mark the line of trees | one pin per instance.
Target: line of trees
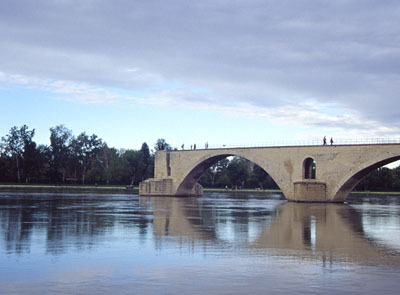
(381, 179)
(86, 159)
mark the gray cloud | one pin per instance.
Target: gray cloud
(261, 53)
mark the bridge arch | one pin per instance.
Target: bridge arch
(194, 173)
(350, 181)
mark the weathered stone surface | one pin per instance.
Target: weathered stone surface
(309, 191)
(340, 168)
(156, 187)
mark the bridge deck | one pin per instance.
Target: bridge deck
(295, 144)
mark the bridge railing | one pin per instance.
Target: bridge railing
(314, 142)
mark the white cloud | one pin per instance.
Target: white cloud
(306, 114)
(328, 65)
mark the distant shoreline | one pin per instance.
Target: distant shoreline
(122, 188)
(67, 187)
(222, 190)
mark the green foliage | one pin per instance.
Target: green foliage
(86, 151)
(60, 152)
(88, 159)
(161, 145)
(236, 173)
(381, 179)
(69, 159)
(16, 143)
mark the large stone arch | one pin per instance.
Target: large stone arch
(350, 180)
(188, 182)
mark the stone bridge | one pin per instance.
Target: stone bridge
(303, 173)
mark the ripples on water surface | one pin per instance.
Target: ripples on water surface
(53, 243)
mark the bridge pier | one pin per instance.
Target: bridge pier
(164, 187)
(309, 191)
(304, 191)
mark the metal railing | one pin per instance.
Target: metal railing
(314, 142)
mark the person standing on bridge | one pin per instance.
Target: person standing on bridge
(324, 140)
(331, 141)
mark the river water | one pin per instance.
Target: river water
(65, 243)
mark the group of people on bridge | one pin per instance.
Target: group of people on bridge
(193, 147)
(324, 140)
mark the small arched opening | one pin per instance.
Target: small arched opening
(309, 168)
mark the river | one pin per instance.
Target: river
(229, 243)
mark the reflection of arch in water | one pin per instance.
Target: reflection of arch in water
(180, 217)
(324, 230)
(318, 231)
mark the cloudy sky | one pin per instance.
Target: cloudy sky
(226, 72)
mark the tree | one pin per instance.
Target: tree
(130, 160)
(42, 163)
(145, 162)
(15, 142)
(60, 139)
(238, 171)
(86, 150)
(30, 159)
(5, 167)
(113, 165)
(162, 145)
(216, 174)
(260, 178)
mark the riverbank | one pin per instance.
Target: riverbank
(245, 190)
(123, 189)
(75, 188)
(222, 190)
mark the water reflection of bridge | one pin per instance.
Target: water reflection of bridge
(327, 232)
(269, 226)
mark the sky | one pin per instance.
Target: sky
(228, 73)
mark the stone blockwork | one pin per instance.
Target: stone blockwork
(309, 191)
(156, 187)
(337, 169)
(164, 187)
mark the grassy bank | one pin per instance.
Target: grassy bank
(123, 189)
(245, 190)
(221, 190)
(374, 193)
(75, 188)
